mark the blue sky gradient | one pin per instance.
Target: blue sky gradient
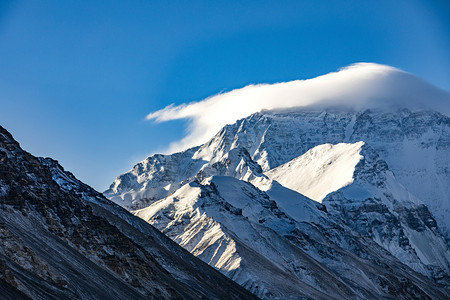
(78, 78)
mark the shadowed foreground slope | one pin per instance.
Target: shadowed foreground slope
(60, 244)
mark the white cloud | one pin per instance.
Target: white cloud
(359, 85)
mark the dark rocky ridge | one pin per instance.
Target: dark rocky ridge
(58, 244)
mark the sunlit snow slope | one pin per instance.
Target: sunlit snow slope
(320, 171)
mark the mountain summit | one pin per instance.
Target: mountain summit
(345, 197)
(357, 87)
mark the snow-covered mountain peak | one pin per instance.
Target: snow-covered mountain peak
(415, 145)
(363, 146)
(360, 86)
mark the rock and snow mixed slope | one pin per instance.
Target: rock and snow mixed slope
(371, 200)
(378, 206)
(59, 239)
(380, 171)
(246, 234)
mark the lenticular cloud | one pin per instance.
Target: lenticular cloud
(362, 85)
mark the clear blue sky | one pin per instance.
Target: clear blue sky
(77, 78)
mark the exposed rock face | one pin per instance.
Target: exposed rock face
(380, 220)
(61, 242)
